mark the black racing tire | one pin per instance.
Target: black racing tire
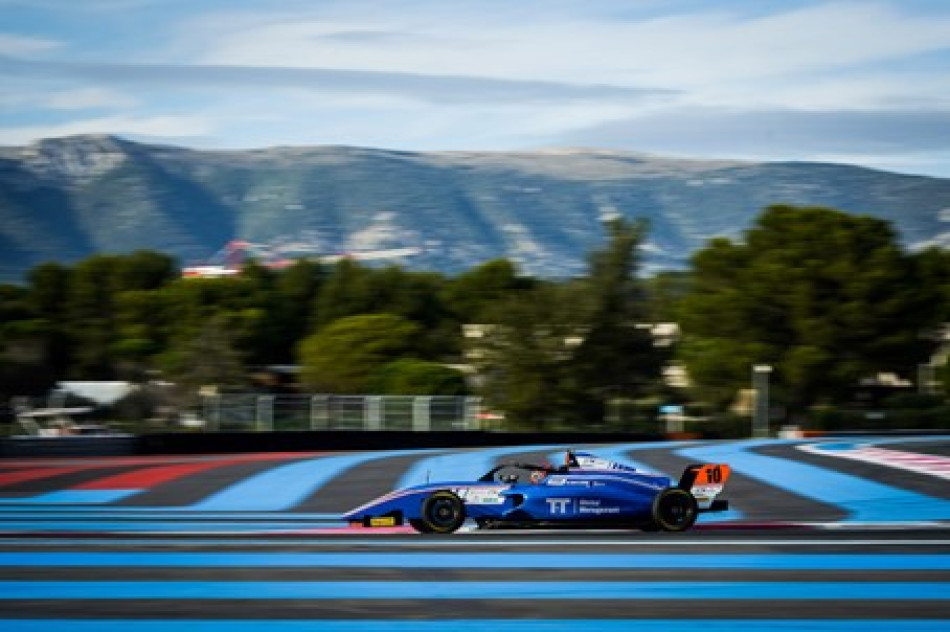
(674, 509)
(419, 525)
(443, 512)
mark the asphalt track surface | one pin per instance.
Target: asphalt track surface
(844, 535)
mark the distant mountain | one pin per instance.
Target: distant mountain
(64, 199)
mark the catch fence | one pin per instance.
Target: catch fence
(267, 413)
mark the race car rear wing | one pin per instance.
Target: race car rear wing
(705, 481)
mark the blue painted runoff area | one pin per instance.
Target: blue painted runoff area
(170, 526)
(864, 500)
(475, 625)
(836, 446)
(74, 497)
(285, 486)
(770, 561)
(276, 489)
(744, 590)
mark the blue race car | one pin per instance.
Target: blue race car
(585, 492)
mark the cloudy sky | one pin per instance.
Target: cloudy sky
(861, 81)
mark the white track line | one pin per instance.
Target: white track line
(929, 464)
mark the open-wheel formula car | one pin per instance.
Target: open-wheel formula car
(585, 492)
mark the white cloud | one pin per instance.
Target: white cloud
(771, 133)
(89, 98)
(26, 95)
(860, 90)
(790, 79)
(697, 49)
(708, 48)
(828, 56)
(440, 88)
(20, 45)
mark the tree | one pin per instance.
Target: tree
(557, 353)
(14, 305)
(664, 291)
(415, 296)
(91, 317)
(89, 303)
(25, 342)
(344, 356)
(296, 288)
(409, 376)
(825, 297)
(206, 357)
(616, 356)
(471, 294)
(347, 291)
(932, 280)
(144, 270)
(141, 331)
(523, 356)
(48, 285)
(256, 317)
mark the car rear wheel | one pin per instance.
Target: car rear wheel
(442, 512)
(674, 509)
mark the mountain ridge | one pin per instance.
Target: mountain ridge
(66, 198)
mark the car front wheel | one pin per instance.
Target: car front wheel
(443, 512)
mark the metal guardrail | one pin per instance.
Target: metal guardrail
(268, 413)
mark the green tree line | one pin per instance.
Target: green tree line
(824, 297)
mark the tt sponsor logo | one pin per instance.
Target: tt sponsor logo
(558, 506)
